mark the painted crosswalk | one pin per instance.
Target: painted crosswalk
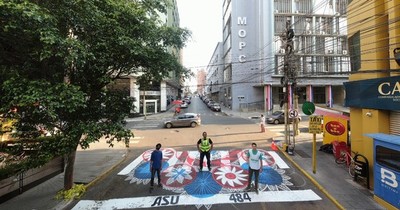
(184, 200)
(225, 183)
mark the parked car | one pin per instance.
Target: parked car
(184, 105)
(215, 107)
(278, 117)
(184, 120)
(210, 103)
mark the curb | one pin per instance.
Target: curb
(64, 204)
(319, 186)
(108, 171)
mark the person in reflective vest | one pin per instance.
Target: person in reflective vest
(254, 159)
(205, 145)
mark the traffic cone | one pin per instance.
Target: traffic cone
(273, 146)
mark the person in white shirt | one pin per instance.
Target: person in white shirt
(262, 123)
(254, 158)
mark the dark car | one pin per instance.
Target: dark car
(278, 117)
(184, 120)
(215, 107)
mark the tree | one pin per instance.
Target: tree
(57, 57)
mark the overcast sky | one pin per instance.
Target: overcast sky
(204, 19)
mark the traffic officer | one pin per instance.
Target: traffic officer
(205, 145)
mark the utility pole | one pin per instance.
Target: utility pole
(289, 75)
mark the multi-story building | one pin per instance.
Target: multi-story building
(373, 93)
(254, 52)
(201, 81)
(158, 95)
(214, 76)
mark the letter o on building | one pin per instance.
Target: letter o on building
(242, 33)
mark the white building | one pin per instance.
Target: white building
(159, 95)
(253, 53)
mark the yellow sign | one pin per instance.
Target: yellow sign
(335, 129)
(315, 124)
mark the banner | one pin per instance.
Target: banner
(380, 93)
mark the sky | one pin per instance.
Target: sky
(204, 19)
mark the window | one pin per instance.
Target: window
(388, 158)
(355, 52)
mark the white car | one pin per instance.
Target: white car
(184, 105)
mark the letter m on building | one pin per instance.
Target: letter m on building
(242, 20)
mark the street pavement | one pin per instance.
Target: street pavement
(94, 164)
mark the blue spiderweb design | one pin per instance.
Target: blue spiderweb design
(203, 186)
(143, 171)
(270, 177)
(245, 166)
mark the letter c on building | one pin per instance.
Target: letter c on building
(242, 58)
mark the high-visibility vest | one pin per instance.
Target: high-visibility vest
(205, 145)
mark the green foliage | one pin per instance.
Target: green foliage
(28, 154)
(75, 192)
(58, 56)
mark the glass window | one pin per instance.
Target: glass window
(388, 158)
(355, 51)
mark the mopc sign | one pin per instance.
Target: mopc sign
(381, 93)
(242, 33)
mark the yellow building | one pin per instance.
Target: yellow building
(373, 90)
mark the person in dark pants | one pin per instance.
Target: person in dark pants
(156, 166)
(205, 145)
(255, 165)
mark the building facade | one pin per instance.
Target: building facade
(215, 74)
(157, 96)
(254, 52)
(373, 92)
(201, 81)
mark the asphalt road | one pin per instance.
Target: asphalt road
(127, 187)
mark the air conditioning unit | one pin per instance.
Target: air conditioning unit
(276, 11)
(344, 52)
(297, 11)
(330, 51)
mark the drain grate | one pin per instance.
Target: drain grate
(302, 154)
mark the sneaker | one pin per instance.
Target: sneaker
(257, 191)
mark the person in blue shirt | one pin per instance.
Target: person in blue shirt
(156, 165)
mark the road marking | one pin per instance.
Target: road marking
(224, 183)
(184, 200)
(277, 159)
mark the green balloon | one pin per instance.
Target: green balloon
(308, 108)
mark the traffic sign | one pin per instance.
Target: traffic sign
(315, 124)
(293, 113)
(308, 108)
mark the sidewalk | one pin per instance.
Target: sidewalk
(332, 179)
(90, 165)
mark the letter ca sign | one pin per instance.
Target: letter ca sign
(386, 88)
